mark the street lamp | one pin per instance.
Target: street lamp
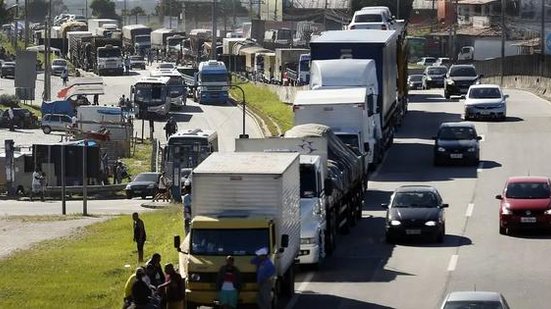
(243, 135)
(15, 6)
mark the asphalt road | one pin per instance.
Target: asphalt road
(365, 272)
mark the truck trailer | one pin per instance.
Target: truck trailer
(136, 38)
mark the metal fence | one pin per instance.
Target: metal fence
(523, 65)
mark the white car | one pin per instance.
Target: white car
(426, 61)
(166, 66)
(312, 232)
(372, 18)
(485, 101)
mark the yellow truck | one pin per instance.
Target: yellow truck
(241, 203)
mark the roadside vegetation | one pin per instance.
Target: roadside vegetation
(266, 104)
(89, 268)
(140, 159)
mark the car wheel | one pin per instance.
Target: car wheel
(144, 196)
(46, 130)
(441, 235)
(129, 195)
(502, 230)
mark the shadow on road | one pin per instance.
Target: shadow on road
(450, 241)
(190, 109)
(530, 234)
(312, 300)
(488, 164)
(423, 124)
(427, 98)
(375, 198)
(180, 117)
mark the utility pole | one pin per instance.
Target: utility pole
(233, 13)
(397, 9)
(213, 45)
(26, 24)
(86, 8)
(85, 178)
(435, 17)
(503, 37)
(47, 76)
(542, 37)
(324, 15)
(124, 14)
(16, 21)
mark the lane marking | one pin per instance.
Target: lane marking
(470, 209)
(307, 279)
(453, 262)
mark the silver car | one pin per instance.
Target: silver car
(55, 122)
(474, 299)
(485, 101)
(58, 65)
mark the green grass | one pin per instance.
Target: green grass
(141, 161)
(50, 218)
(266, 105)
(86, 270)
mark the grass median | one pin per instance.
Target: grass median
(140, 161)
(87, 269)
(266, 104)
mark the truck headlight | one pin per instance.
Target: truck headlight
(194, 277)
(225, 88)
(308, 241)
(395, 223)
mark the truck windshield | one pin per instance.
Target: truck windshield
(305, 65)
(143, 39)
(217, 77)
(150, 92)
(308, 181)
(109, 52)
(237, 242)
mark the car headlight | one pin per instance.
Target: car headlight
(194, 277)
(506, 211)
(547, 212)
(308, 241)
(450, 82)
(429, 78)
(441, 149)
(395, 222)
(128, 187)
(472, 149)
(151, 186)
(430, 223)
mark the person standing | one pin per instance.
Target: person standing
(139, 235)
(11, 118)
(157, 277)
(174, 288)
(36, 185)
(265, 270)
(170, 127)
(186, 200)
(65, 76)
(140, 290)
(228, 284)
(42, 186)
(127, 65)
(163, 189)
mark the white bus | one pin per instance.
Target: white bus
(177, 90)
(150, 97)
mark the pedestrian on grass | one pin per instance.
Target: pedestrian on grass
(228, 284)
(265, 270)
(157, 277)
(163, 189)
(174, 288)
(139, 235)
(140, 290)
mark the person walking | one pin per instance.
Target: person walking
(139, 235)
(157, 277)
(265, 270)
(163, 189)
(228, 284)
(36, 185)
(174, 288)
(11, 119)
(170, 127)
(127, 65)
(64, 76)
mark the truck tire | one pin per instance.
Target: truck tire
(329, 242)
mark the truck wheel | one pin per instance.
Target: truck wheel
(190, 305)
(46, 130)
(329, 242)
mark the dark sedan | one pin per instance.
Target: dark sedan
(415, 211)
(457, 142)
(434, 77)
(8, 69)
(415, 81)
(459, 79)
(144, 185)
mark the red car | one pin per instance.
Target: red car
(525, 204)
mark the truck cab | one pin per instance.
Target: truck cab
(142, 43)
(109, 60)
(212, 82)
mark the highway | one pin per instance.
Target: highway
(365, 272)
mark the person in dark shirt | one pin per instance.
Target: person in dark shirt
(140, 291)
(157, 276)
(228, 284)
(139, 235)
(174, 288)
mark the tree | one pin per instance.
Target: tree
(103, 9)
(172, 7)
(5, 16)
(137, 10)
(405, 6)
(37, 8)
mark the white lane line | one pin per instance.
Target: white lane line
(453, 262)
(307, 279)
(470, 209)
(480, 167)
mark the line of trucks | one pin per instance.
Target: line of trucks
(294, 194)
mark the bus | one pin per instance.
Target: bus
(150, 97)
(177, 89)
(417, 48)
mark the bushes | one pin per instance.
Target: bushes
(9, 100)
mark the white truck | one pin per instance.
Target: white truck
(255, 204)
(159, 36)
(315, 240)
(336, 80)
(95, 23)
(286, 58)
(71, 35)
(96, 118)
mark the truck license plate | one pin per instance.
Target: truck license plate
(413, 232)
(456, 155)
(528, 219)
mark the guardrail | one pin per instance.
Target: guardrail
(91, 189)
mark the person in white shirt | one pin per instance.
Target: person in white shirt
(36, 185)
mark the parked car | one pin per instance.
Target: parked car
(23, 119)
(426, 61)
(456, 142)
(372, 18)
(58, 65)
(442, 61)
(474, 299)
(137, 62)
(144, 185)
(8, 69)
(433, 76)
(459, 78)
(415, 211)
(525, 204)
(415, 81)
(486, 101)
(55, 122)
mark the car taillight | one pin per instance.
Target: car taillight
(383, 27)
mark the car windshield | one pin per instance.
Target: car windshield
(429, 60)
(136, 58)
(485, 93)
(59, 62)
(462, 71)
(308, 181)
(473, 304)
(456, 133)
(421, 199)
(147, 177)
(166, 66)
(222, 241)
(437, 71)
(368, 18)
(528, 190)
(416, 78)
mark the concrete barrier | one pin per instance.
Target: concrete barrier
(286, 94)
(536, 84)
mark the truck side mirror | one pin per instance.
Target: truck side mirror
(284, 241)
(177, 242)
(132, 89)
(328, 186)
(385, 206)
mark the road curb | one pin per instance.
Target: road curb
(158, 205)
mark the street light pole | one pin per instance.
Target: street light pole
(213, 45)
(47, 32)
(503, 34)
(542, 36)
(26, 24)
(243, 135)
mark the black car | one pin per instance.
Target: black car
(415, 81)
(23, 119)
(8, 69)
(456, 142)
(459, 78)
(434, 77)
(415, 211)
(144, 185)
